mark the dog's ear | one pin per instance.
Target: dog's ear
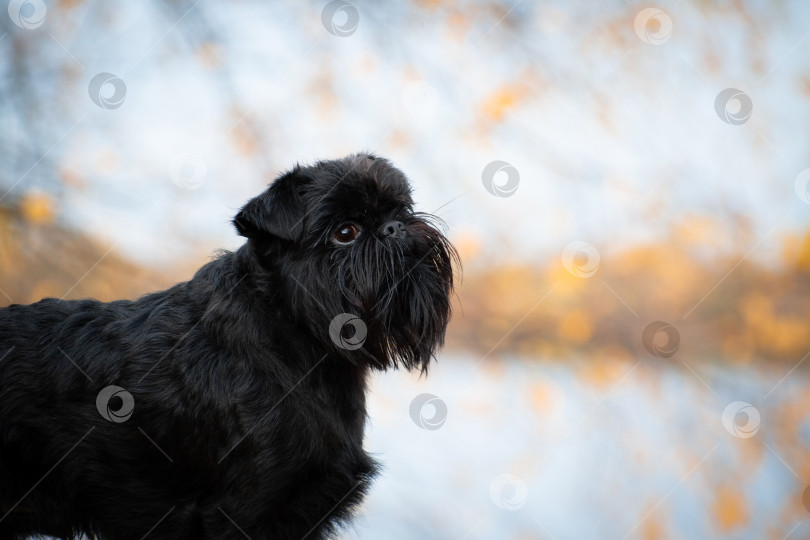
(278, 212)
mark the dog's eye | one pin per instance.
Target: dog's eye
(346, 234)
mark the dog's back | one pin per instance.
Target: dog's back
(56, 448)
(204, 438)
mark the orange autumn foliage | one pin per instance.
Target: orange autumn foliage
(37, 207)
(39, 258)
(729, 508)
(725, 307)
(501, 101)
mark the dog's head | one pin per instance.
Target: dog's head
(356, 263)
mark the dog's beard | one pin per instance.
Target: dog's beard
(400, 288)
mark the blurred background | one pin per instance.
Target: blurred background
(628, 186)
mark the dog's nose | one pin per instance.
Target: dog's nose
(394, 229)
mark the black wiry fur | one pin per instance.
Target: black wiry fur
(248, 419)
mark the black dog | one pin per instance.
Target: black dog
(231, 405)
